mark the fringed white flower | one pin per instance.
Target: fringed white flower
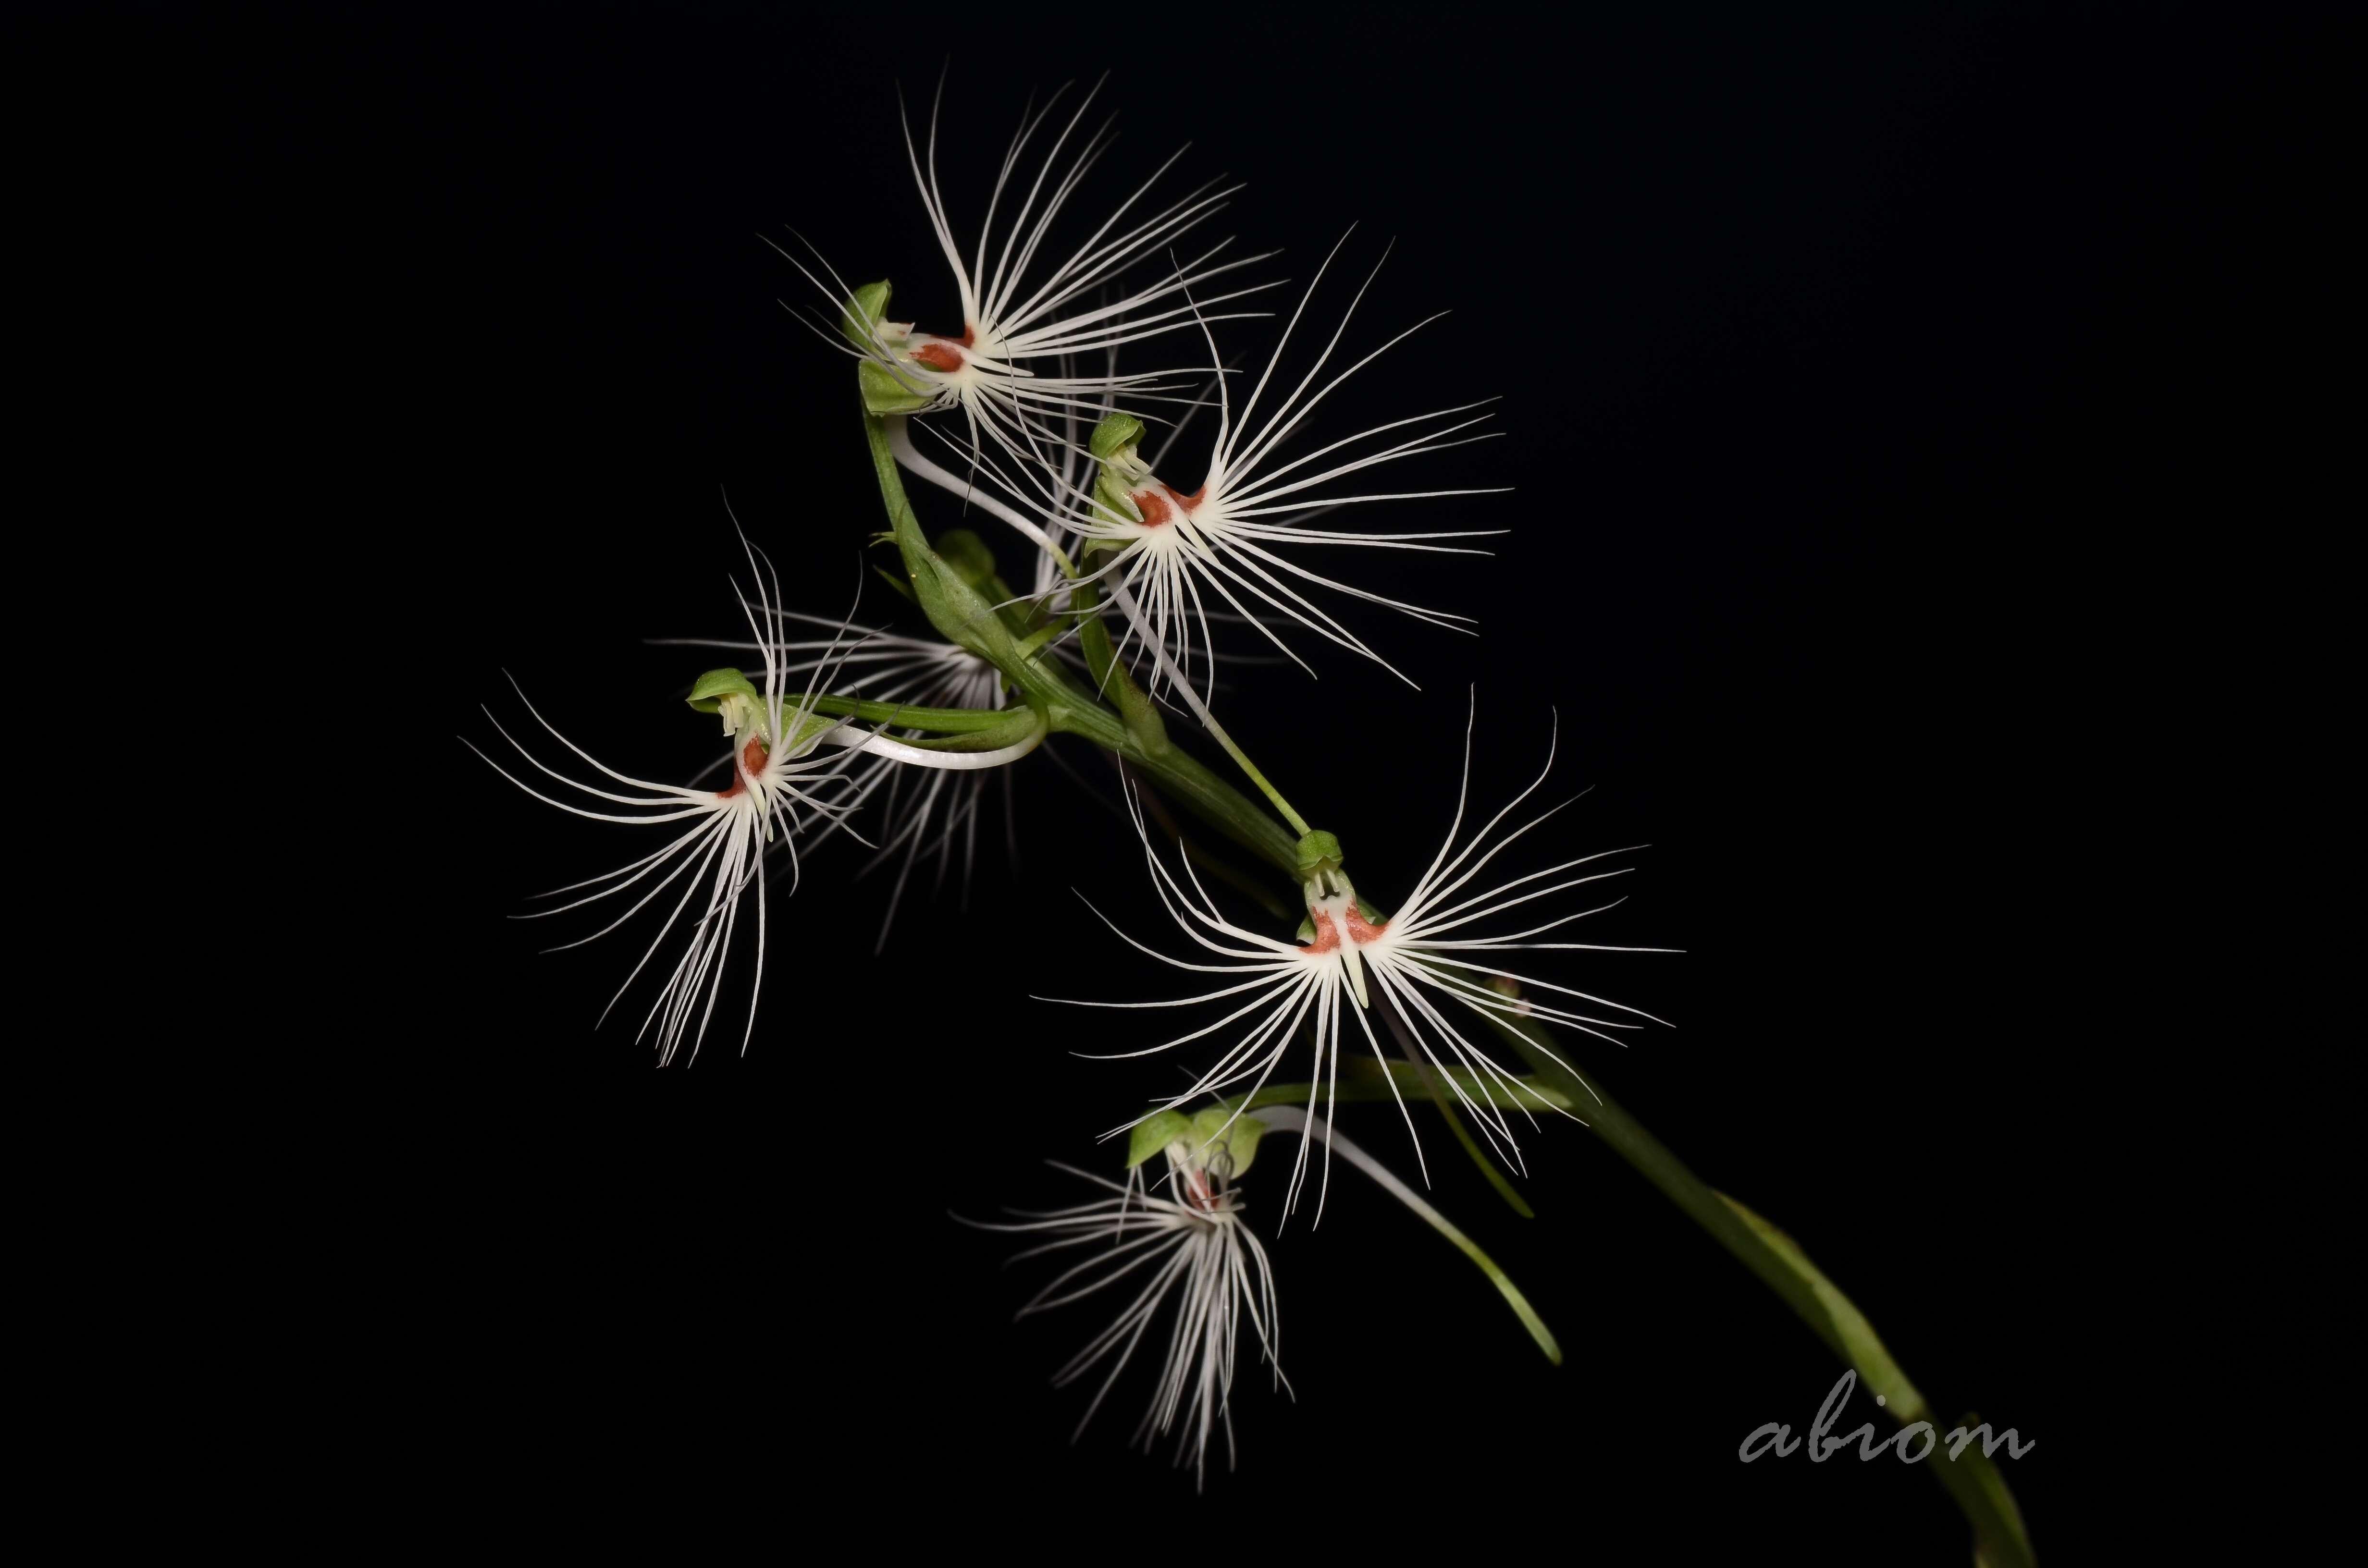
(1423, 963)
(1022, 314)
(1188, 557)
(1189, 1257)
(781, 779)
(929, 819)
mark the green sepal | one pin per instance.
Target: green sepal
(1154, 1134)
(1239, 1141)
(1319, 851)
(891, 578)
(708, 692)
(861, 318)
(1117, 501)
(883, 394)
(1114, 435)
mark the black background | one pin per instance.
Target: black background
(1861, 374)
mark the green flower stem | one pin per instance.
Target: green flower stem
(1025, 724)
(1120, 597)
(962, 614)
(896, 441)
(1214, 868)
(942, 721)
(1972, 1480)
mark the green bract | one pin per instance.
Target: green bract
(1319, 851)
(883, 394)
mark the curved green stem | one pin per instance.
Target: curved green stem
(892, 432)
(1972, 1480)
(1125, 602)
(942, 721)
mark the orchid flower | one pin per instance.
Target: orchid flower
(1424, 963)
(1225, 540)
(926, 818)
(1020, 309)
(1182, 1246)
(781, 779)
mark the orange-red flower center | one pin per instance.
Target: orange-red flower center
(1159, 505)
(752, 762)
(946, 354)
(1327, 935)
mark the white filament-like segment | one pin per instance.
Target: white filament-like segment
(699, 878)
(1193, 557)
(1418, 960)
(935, 817)
(1020, 308)
(1190, 1259)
